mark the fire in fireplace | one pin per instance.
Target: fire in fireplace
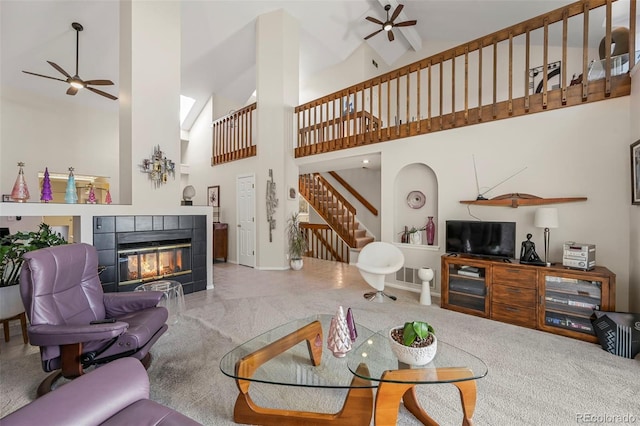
(140, 264)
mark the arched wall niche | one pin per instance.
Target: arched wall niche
(415, 177)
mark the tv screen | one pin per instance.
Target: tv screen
(485, 239)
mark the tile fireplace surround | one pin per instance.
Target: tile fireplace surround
(112, 234)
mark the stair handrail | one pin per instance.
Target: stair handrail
(354, 192)
(314, 233)
(306, 183)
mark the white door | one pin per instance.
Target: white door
(246, 220)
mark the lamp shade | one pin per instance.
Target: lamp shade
(546, 217)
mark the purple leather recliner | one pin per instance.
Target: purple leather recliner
(114, 394)
(63, 296)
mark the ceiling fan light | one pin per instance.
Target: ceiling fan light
(76, 83)
(387, 26)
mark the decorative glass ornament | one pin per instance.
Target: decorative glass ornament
(46, 195)
(339, 340)
(92, 195)
(20, 192)
(107, 198)
(431, 230)
(71, 195)
(351, 323)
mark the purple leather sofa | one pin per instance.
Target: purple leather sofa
(114, 394)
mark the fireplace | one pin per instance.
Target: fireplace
(136, 249)
(161, 259)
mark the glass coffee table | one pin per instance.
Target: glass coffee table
(294, 354)
(397, 381)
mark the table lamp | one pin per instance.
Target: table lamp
(546, 217)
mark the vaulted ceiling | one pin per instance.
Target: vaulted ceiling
(218, 38)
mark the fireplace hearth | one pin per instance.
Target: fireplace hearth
(138, 249)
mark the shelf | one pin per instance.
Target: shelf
(516, 200)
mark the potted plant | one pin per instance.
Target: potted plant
(12, 247)
(297, 242)
(415, 343)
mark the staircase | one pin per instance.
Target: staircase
(339, 214)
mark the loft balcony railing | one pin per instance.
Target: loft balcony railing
(556, 60)
(537, 65)
(234, 136)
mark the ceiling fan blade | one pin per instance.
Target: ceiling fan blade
(45, 76)
(372, 34)
(100, 82)
(59, 68)
(374, 20)
(396, 12)
(405, 23)
(391, 37)
(100, 92)
(72, 91)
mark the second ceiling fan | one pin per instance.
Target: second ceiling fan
(388, 25)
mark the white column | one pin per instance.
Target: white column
(277, 59)
(149, 98)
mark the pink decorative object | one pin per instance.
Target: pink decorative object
(431, 230)
(107, 198)
(20, 192)
(47, 194)
(92, 195)
(339, 340)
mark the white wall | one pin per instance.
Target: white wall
(57, 134)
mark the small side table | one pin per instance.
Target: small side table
(173, 298)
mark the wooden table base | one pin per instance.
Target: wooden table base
(357, 408)
(398, 387)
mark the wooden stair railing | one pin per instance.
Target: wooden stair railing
(339, 214)
(354, 192)
(324, 243)
(233, 136)
(411, 100)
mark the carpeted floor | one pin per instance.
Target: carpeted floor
(534, 378)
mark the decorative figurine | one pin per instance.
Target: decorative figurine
(107, 198)
(528, 253)
(20, 192)
(71, 195)
(351, 324)
(339, 340)
(47, 194)
(92, 195)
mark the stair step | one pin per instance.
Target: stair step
(361, 242)
(359, 233)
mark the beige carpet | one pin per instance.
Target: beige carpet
(534, 378)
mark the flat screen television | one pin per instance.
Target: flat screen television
(482, 239)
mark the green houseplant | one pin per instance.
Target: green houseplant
(414, 343)
(12, 247)
(297, 241)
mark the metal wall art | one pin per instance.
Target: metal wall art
(159, 167)
(272, 203)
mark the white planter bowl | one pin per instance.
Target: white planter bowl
(10, 302)
(296, 264)
(413, 356)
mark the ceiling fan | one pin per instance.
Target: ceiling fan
(75, 82)
(388, 25)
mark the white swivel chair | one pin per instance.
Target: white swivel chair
(376, 260)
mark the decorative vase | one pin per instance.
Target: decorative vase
(431, 230)
(20, 192)
(339, 340)
(415, 237)
(296, 264)
(413, 356)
